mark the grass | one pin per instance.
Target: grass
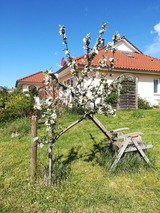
(82, 179)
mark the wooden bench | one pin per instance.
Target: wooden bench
(129, 142)
(123, 142)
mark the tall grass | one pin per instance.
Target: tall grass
(82, 180)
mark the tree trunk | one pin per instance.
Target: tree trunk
(33, 147)
(50, 163)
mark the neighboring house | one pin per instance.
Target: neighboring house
(34, 81)
(142, 72)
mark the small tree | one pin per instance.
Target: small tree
(85, 94)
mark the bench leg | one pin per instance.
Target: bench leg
(118, 157)
(141, 152)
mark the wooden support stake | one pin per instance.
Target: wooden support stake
(33, 147)
(100, 126)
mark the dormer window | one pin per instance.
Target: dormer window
(129, 55)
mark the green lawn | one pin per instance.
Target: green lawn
(82, 179)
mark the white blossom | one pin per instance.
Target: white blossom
(41, 145)
(116, 37)
(38, 104)
(47, 123)
(66, 52)
(35, 139)
(52, 122)
(49, 101)
(54, 115)
(50, 72)
(27, 95)
(111, 59)
(48, 128)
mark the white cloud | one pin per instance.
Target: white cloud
(157, 29)
(154, 48)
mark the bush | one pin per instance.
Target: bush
(8, 114)
(112, 98)
(18, 105)
(143, 104)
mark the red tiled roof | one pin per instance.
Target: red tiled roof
(126, 60)
(37, 77)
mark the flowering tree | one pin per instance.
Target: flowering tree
(85, 93)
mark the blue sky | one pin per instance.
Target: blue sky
(30, 41)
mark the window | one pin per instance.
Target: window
(33, 90)
(69, 82)
(155, 85)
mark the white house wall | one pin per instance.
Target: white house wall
(144, 86)
(25, 88)
(146, 91)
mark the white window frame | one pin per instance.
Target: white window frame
(155, 86)
(69, 81)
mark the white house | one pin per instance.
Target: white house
(29, 82)
(129, 61)
(34, 80)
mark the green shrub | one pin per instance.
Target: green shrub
(18, 105)
(112, 98)
(143, 104)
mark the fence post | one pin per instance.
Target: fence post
(33, 147)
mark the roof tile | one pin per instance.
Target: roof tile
(133, 61)
(37, 77)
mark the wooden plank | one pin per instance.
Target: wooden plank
(131, 134)
(120, 129)
(132, 147)
(143, 146)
